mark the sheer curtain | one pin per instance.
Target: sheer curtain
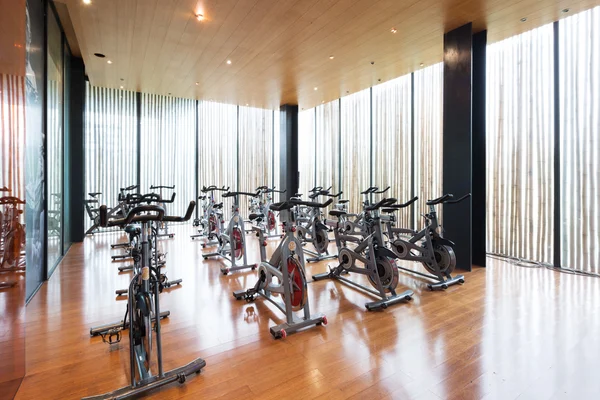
(217, 147)
(356, 144)
(111, 145)
(520, 145)
(306, 151)
(392, 158)
(276, 155)
(12, 134)
(428, 138)
(167, 154)
(579, 46)
(255, 156)
(327, 145)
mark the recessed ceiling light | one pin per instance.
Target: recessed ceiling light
(379, 80)
(122, 79)
(121, 87)
(109, 62)
(229, 62)
(197, 83)
(200, 17)
(87, 1)
(316, 88)
(99, 55)
(169, 93)
(393, 30)
(246, 104)
(523, 19)
(565, 10)
(323, 102)
(421, 64)
(331, 57)
(372, 62)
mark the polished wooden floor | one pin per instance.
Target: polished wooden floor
(508, 333)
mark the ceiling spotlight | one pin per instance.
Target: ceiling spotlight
(197, 83)
(99, 55)
(246, 104)
(316, 88)
(523, 19)
(229, 62)
(87, 1)
(420, 65)
(372, 62)
(109, 62)
(565, 10)
(169, 93)
(121, 87)
(393, 30)
(122, 79)
(323, 102)
(200, 17)
(331, 57)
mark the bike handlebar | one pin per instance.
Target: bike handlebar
(458, 200)
(408, 203)
(212, 188)
(129, 188)
(4, 189)
(149, 197)
(231, 194)
(446, 199)
(286, 205)
(382, 203)
(11, 200)
(132, 216)
(186, 217)
(161, 187)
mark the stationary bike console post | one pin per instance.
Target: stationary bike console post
(164, 226)
(284, 275)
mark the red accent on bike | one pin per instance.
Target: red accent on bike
(272, 223)
(238, 249)
(298, 285)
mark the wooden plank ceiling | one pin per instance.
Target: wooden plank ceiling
(280, 50)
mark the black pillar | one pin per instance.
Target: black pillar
(288, 178)
(478, 199)
(457, 142)
(76, 160)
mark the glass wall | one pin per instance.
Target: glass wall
(306, 151)
(327, 144)
(54, 143)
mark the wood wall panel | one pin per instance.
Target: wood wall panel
(280, 49)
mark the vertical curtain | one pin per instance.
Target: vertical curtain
(579, 46)
(306, 151)
(217, 147)
(12, 134)
(356, 145)
(255, 152)
(392, 158)
(167, 156)
(276, 155)
(428, 138)
(327, 145)
(111, 145)
(520, 145)
(54, 149)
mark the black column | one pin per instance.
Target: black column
(478, 199)
(76, 160)
(288, 178)
(457, 146)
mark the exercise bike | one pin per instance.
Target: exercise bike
(260, 213)
(232, 242)
(12, 237)
(315, 229)
(142, 309)
(93, 212)
(284, 275)
(378, 261)
(163, 226)
(427, 246)
(211, 221)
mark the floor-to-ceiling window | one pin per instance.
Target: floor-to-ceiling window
(520, 146)
(306, 151)
(54, 142)
(327, 143)
(579, 88)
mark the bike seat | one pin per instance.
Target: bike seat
(343, 201)
(133, 229)
(202, 197)
(220, 205)
(337, 213)
(256, 216)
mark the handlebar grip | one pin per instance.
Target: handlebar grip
(162, 187)
(381, 191)
(458, 200)
(188, 214)
(169, 201)
(369, 190)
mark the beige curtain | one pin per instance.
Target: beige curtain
(276, 154)
(306, 151)
(256, 151)
(579, 46)
(167, 148)
(12, 134)
(327, 145)
(217, 147)
(356, 144)
(428, 138)
(392, 158)
(520, 146)
(111, 145)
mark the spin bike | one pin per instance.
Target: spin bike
(93, 212)
(287, 267)
(211, 222)
(427, 246)
(142, 309)
(315, 229)
(378, 261)
(260, 213)
(232, 242)
(163, 226)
